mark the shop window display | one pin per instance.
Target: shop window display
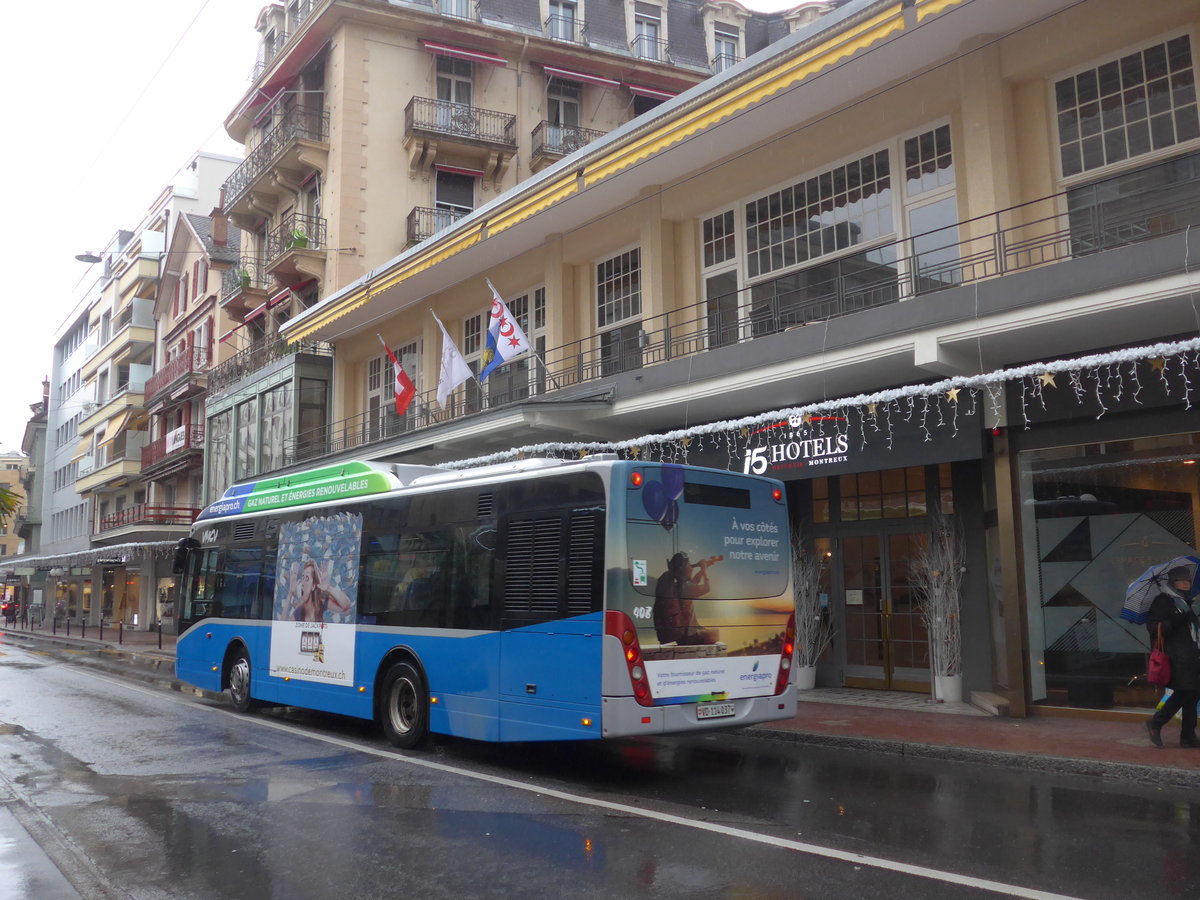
(1094, 517)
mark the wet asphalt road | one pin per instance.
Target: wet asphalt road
(130, 790)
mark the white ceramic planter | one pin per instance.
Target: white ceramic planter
(948, 688)
(806, 678)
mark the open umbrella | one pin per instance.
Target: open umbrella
(1142, 591)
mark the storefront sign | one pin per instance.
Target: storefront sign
(889, 438)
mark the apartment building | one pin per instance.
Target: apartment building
(915, 259)
(371, 126)
(107, 525)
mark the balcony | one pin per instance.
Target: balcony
(1087, 220)
(244, 286)
(643, 46)
(564, 28)
(298, 142)
(723, 61)
(296, 247)
(256, 357)
(176, 451)
(140, 277)
(179, 374)
(552, 142)
(459, 9)
(484, 135)
(114, 462)
(143, 515)
(424, 222)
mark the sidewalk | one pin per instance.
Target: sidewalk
(872, 721)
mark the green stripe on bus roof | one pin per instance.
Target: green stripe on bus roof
(317, 485)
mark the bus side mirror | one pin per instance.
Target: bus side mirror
(185, 546)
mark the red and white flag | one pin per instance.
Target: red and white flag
(405, 389)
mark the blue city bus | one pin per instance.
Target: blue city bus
(541, 599)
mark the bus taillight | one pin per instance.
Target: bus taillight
(620, 626)
(785, 658)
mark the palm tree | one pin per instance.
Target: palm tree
(10, 502)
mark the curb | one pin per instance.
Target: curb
(1152, 776)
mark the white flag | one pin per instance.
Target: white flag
(454, 370)
(505, 339)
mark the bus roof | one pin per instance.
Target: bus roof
(357, 478)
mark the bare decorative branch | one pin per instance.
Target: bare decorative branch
(936, 574)
(814, 631)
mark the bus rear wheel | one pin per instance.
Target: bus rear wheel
(404, 707)
(239, 682)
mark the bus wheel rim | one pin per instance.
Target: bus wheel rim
(239, 679)
(404, 706)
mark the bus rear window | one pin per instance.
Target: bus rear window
(716, 495)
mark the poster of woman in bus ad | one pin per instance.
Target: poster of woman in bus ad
(708, 585)
(316, 589)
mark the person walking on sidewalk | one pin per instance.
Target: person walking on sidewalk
(1181, 640)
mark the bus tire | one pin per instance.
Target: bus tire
(239, 682)
(404, 706)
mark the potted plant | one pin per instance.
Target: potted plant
(814, 630)
(243, 277)
(937, 574)
(299, 239)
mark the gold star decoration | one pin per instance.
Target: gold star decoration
(872, 407)
(686, 441)
(745, 432)
(635, 451)
(1157, 363)
(952, 395)
(1047, 379)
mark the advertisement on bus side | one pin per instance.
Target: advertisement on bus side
(316, 590)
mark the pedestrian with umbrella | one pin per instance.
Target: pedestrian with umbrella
(1171, 616)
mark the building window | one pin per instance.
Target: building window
(619, 288)
(454, 198)
(647, 32)
(1137, 104)
(720, 240)
(725, 46)
(276, 426)
(220, 453)
(562, 23)
(928, 162)
(382, 420)
(848, 205)
(932, 210)
(618, 301)
(247, 438)
(454, 80)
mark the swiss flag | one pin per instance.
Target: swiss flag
(405, 389)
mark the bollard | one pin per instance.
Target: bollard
(68, 626)
(82, 629)
(102, 629)
(160, 635)
(54, 625)
(120, 632)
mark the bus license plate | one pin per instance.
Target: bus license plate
(714, 710)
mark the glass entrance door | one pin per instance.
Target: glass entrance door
(887, 645)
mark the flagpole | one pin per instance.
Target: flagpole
(532, 352)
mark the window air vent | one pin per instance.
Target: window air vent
(582, 591)
(531, 582)
(244, 531)
(486, 507)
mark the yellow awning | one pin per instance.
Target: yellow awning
(115, 426)
(84, 447)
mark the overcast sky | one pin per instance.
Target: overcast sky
(106, 102)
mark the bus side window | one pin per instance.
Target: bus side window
(471, 592)
(206, 602)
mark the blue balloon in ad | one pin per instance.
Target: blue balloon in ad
(672, 477)
(654, 499)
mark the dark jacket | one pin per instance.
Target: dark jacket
(1177, 641)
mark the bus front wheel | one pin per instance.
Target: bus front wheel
(239, 682)
(404, 710)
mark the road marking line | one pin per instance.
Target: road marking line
(956, 878)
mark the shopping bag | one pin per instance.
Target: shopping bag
(1158, 670)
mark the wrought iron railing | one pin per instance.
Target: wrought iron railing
(460, 120)
(142, 514)
(723, 61)
(295, 231)
(186, 363)
(646, 47)
(424, 222)
(551, 138)
(189, 437)
(459, 9)
(1052, 229)
(255, 357)
(295, 124)
(248, 274)
(564, 28)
